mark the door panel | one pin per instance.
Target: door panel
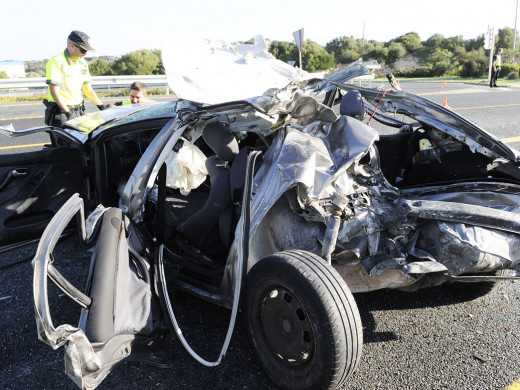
(33, 186)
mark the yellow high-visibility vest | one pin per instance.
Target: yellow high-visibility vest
(69, 76)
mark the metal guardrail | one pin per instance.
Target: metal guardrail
(98, 82)
(107, 82)
(365, 80)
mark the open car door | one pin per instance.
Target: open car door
(35, 184)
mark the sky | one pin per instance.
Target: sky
(32, 30)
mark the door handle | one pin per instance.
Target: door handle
(13, 174)
(19, 172)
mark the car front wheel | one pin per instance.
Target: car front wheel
(302, 321)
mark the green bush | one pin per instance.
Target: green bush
(100, 67)
(138, 62)
(315, 57)
(442, 63)
(3, 75)
(396, 50)
(344, 49)
(475, 63)
(505, 69)
(284, 51)
(420, 71)
(513, 75)
(411, 41)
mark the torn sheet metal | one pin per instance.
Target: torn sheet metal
(132, 307)
(465, 248)
(315, 155)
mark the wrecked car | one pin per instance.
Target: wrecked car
(281, 205)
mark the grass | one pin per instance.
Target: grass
(122, 92)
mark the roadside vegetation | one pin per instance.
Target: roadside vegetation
(407, 56)
(120, 92)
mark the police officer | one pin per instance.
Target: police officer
(137, 95)
(495, 68)
(67, 75)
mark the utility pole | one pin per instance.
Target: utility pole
(514, 35)
(489, 44)
(363, 41)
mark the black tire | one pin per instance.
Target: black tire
(302, 321)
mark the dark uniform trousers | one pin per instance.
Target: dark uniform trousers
(55, 117)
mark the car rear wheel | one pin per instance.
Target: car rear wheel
(302, 321)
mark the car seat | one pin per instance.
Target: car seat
(202, 228)
(352, 105)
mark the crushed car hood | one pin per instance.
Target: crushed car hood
(214, 72)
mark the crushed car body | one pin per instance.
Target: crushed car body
(285, 204)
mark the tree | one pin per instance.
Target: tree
(434, 42)
(137, 62)
(100, 67)
(35, 68)
(411, 41)
(159, 68)
(475, 43)
(3, 75)
(396, 50)
(452, 43)
(475, 63)
(315, 57)
(344, 49)
(284, 51)
(505, 38)
(442, 62)
(369, 47)
(379, 54)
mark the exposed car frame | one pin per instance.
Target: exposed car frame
(330, 209)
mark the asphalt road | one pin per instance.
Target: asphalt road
(435, 338)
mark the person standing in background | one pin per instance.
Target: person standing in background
(495, 68)
(67, 76)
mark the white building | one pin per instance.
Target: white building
(13, 69)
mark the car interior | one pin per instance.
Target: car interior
(412, 155)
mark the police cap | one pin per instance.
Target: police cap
(81, 39)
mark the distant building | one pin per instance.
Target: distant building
(13, 68)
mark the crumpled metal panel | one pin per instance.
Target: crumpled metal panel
(132, 307)
(465, 248)
(316, 155)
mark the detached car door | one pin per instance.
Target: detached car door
(34, 185)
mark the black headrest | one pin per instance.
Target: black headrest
(352, 105)
(221, 140)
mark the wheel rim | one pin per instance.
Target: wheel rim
(286, 327)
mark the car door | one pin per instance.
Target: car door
(34, 185)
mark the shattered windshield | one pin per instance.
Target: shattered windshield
(157, 110)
